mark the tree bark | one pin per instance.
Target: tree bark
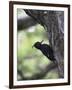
(53, 22)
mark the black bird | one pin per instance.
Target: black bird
(45, 49)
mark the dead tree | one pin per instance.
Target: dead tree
(53, 22)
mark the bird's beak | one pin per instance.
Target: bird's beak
(42, 41)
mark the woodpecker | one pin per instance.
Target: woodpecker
(45, 49)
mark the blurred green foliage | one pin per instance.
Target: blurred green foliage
(31, 60)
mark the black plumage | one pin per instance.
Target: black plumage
(45, 49)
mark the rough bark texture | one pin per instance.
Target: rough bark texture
(53, 22)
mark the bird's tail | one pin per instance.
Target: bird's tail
(55, 62)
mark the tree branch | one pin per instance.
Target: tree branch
(24, 23)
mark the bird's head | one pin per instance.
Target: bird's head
(37, 45)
